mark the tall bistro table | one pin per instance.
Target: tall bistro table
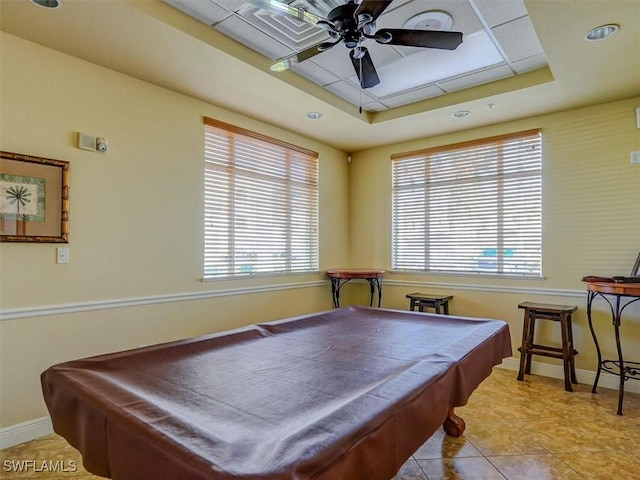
(341, 276)
(618, 296)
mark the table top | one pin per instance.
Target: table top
(320, 396)
(355, 273)
(600, 285)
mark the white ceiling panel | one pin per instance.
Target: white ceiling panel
(497, 12)
(315, 73)
(381, 54)
(374, 107)
(477, 78)
(431, 65)
(350, 92)
(528, 64)
(412, 96)
(518, 39)
(231, 5)
(336, 61)
(253, 38)
(204, 10)
(464, 17)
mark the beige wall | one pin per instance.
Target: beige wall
(136, 222)
(591, 223)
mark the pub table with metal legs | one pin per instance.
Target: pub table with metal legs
(340, 277)
(618, 296)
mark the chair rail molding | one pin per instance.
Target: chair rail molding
(27, 312)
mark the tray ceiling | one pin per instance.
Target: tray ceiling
(155, 42)
(499, 42)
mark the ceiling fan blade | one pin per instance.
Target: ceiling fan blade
(419, 38)
(298, 13)
(289, 61)
(364, 68)
(369, 10)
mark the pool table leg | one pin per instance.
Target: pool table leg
(453, 424)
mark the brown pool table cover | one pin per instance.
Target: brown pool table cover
(345, 394)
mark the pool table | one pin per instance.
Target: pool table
(343, 394)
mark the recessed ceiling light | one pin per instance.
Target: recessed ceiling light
(47, 3)
(314, 115)
(462, 113)
(601, 32)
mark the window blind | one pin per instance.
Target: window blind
(260, 204)
(474, 207)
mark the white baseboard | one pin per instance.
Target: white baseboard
(586, 377)
(25, 431)
(32, 429)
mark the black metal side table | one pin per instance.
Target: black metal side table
(340, 277)
(618, 296)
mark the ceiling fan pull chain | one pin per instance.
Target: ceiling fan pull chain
(360, 78)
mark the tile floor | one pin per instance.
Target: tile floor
(530, 430)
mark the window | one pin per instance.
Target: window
(260, 204)
(474, 207)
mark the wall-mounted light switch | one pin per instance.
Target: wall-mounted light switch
(63, 255)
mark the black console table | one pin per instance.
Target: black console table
(618, 296)
(340, 277)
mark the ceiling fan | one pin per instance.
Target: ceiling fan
(351, 24)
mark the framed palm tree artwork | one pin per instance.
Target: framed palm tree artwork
(34, 199)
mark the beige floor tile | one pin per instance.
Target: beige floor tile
(10, 473)
(441, 445)
(65, 464)
(25, 460)
(603, 466)
(35, 450)
(562, 437)
(410, 471)
(501, 438)
(472, 468)
(534, 467)
(46, 458)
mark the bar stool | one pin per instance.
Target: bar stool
(422, 300)
(557, 313)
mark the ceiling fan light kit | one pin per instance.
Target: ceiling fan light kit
(431, 20)
(353, 23)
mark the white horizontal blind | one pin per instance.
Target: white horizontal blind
(470, 208)
(260, 204)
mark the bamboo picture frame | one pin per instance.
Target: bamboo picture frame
(34, 199)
